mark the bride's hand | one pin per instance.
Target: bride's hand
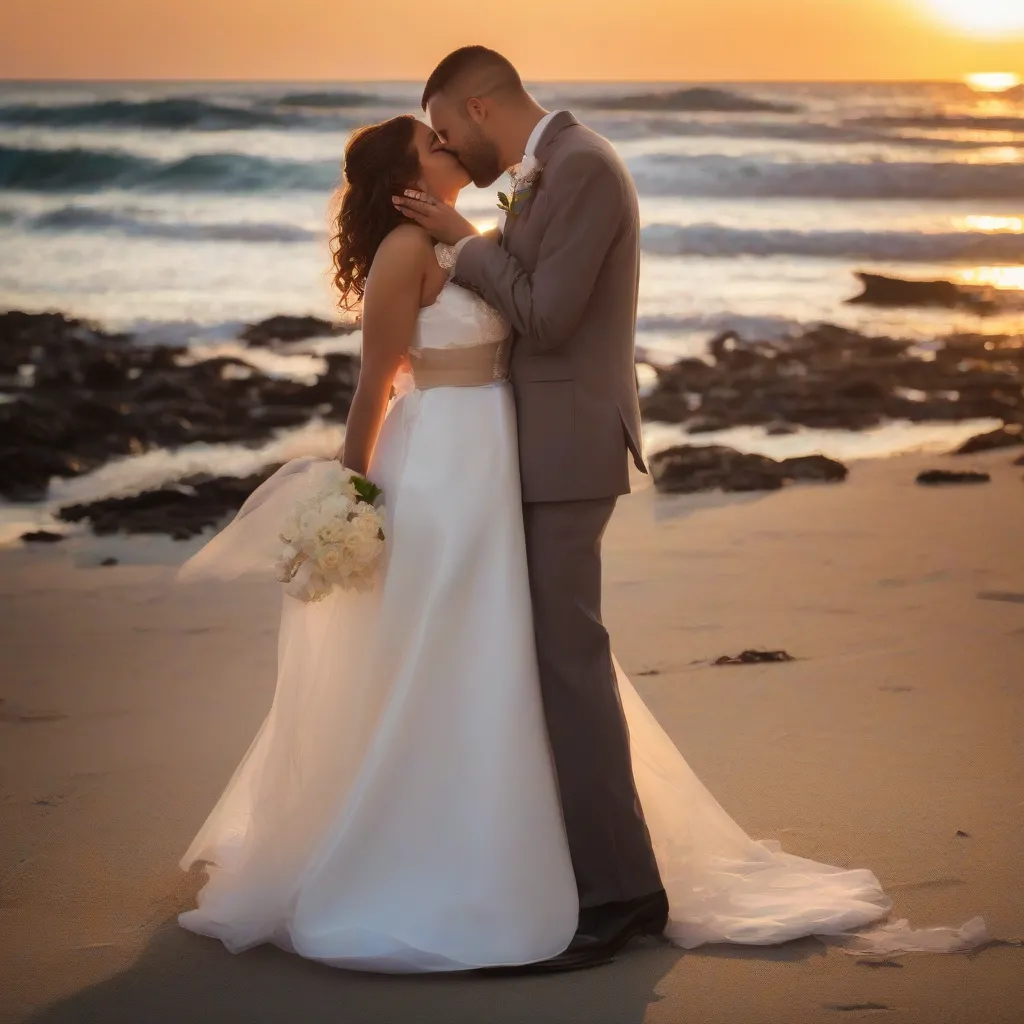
(442, 221)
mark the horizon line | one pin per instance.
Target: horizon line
(530, 81)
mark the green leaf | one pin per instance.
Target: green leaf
(503, 202)
(367, 491)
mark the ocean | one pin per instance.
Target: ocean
(180, 212)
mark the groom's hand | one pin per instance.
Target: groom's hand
(442, 221)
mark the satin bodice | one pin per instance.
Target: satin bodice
(460, 340)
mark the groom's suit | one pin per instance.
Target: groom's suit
(566, 276)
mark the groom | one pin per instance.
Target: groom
(565, 275)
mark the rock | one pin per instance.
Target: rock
(686, 469)
(277, 416)
(291, 328)
(24, 336)
(830, 377)
(42, 537)
(705, 425)
(1019, 461)
(814, 467)
(1001, 437)
(181, 510)
(945, 476)
(92, 396)
(109, 561)
(863, 390)
(664, 408)
(755, 658)
(880, 290)
(25, 471)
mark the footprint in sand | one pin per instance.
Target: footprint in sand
(13, 715)
(1009, 596)
(931, 577)
(848, 1007)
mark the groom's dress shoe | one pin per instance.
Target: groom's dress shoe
(602, 932)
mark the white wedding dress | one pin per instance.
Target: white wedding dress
(397, 810)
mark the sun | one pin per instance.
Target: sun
(992, 81)
(989, 18)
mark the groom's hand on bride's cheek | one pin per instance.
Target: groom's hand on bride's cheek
(443, 222)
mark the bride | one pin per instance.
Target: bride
(398, 810)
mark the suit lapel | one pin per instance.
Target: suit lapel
(562, 120)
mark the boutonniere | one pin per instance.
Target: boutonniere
(523, 182)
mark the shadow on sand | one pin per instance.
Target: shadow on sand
(181, 978)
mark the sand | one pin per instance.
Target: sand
(127, 703)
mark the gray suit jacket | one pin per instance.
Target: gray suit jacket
(566, 276)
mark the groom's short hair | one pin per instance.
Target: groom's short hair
(475, 71)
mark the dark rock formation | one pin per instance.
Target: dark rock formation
(945, 476)
(292, 328)
(25, 337)
(817, 468)
(754, 657)
(1002, 437)
(25, 470)
(880, 290)
(685, 469)
(42, 537)
(182, 510)
(833, 378)
(92, 396)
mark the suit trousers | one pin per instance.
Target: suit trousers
(608, 837)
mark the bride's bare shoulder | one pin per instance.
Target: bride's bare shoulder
(405, 248)
(399, 266)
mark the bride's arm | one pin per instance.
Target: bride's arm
(391, 306)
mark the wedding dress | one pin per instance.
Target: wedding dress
(398, 811)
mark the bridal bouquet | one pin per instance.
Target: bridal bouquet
(332, 537)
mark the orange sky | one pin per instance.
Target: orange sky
(547, 39)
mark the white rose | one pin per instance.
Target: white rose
(528, 168)
(363, 541)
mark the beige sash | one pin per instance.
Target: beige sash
(471, 366)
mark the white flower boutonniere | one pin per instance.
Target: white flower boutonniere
(523, 181)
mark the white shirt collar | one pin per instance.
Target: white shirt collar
(535, 136)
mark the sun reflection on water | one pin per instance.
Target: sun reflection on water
(994, 225)
(1009, 278)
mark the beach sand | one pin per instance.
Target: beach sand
(127, 702)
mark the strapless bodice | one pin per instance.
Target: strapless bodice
(459, 318)
(460, 340)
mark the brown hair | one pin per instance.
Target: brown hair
(492, 71)
(380, 161)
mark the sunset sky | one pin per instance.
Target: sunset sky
(548, 39)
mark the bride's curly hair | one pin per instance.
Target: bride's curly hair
(380, 161)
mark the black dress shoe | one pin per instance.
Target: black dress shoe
(602, 932)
